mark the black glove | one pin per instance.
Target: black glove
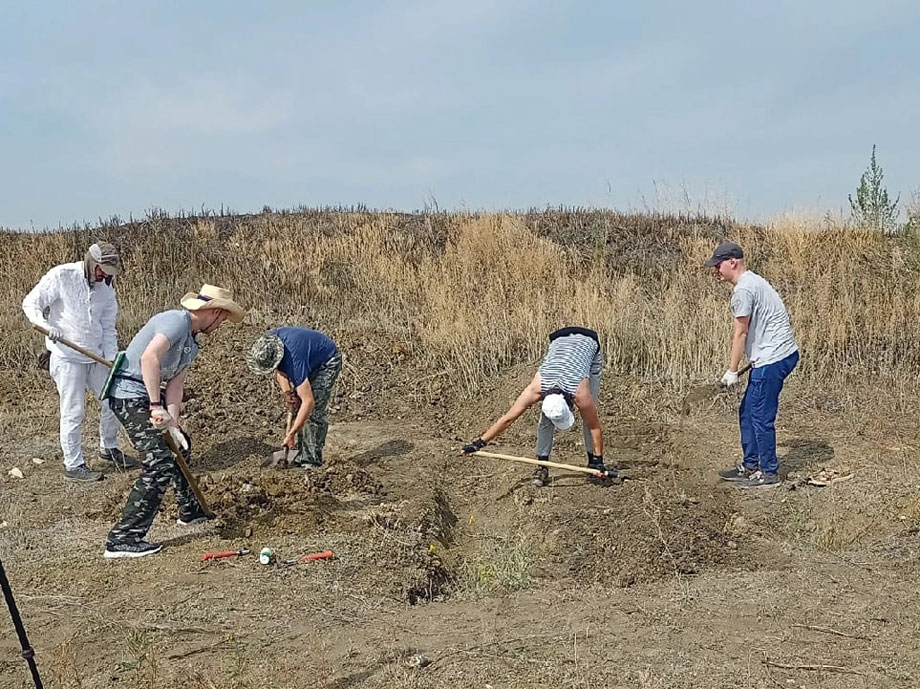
(474, 446)
(596, 462)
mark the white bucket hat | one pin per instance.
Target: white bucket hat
(557, 410)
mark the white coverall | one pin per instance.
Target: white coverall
(86, 316)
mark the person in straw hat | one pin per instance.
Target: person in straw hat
(568, 378)
(161, 352)
(76, 301)
(306, 364)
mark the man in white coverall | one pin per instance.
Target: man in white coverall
(76, 301)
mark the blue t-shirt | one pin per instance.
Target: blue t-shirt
(305, 351)
(176, 326)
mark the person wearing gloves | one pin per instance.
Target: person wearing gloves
(76, 301)
(161, 352)
(763, 333)
(568, 378)
(306, 364)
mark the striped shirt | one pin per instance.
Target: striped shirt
(568, 361)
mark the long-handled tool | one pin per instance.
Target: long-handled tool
(27, 651)
(279, 459)
(705, 391)
(569, 467)
(170, 441)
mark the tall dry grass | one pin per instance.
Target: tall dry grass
(470, 294)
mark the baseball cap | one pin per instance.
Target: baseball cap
(723, 252)
(106, 257)
(556, 409)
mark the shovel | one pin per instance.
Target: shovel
(610, 473)
(700, 393)
(279, 458)
(170, 441)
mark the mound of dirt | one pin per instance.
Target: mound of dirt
(648, 531)
(342, 479)
(292, 499)
(261, 502)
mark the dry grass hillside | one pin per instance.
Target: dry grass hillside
(455, 571)
(472, 294)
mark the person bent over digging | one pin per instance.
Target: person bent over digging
(163, 350)
(568, 378)
(306, 364)
(763, 333)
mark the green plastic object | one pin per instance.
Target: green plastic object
(107, 388)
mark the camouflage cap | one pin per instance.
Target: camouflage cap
(265, 355)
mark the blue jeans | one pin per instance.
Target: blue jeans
(757, 415)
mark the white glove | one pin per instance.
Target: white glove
(160, 418)
(179, 437)
(55, 334)
(730, 378)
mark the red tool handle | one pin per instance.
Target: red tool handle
(325, 555)
(215, 556)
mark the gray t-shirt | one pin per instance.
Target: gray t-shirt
(176, 326)
(770, 337)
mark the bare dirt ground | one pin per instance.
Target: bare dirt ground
(456, 572)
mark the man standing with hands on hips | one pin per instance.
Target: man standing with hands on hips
(763, 333)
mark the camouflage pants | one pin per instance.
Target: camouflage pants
(312, 437)
(159, 472)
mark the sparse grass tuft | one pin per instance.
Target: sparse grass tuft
(140, 657)
(502, 566)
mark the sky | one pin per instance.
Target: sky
(750, 107)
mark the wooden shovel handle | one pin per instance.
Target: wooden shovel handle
(77, 348)
(187, 473)
(525, 460)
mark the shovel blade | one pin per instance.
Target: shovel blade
(277, 460)
(700, 393)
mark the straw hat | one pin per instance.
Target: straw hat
(211, 297)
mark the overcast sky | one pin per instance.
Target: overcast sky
(114, 107)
